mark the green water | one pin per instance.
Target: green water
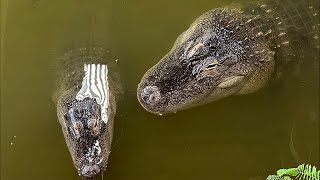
(241, 137)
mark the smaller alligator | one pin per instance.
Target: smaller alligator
(86, 106)
(227, 51)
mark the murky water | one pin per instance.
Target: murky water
(242, 137)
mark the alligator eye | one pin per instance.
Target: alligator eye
(212, 66)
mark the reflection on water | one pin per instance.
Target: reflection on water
(242, 137)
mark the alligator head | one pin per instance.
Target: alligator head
(218, 56)
(87, 136)
(86, 117)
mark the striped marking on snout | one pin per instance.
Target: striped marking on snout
(95, 85)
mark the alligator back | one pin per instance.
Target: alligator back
(290, 27)
(70, 70)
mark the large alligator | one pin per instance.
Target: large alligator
(229, 51)
(86, 105)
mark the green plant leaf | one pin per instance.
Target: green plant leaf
(290, 172)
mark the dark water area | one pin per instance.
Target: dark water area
(239, 137)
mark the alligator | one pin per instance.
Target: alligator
(86, 105)
(230, 51)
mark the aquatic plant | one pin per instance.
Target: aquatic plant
(277, 177)
(302, 172)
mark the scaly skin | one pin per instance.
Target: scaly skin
(224, 52)
(88, 138)
(218, 56)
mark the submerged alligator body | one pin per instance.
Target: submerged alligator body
(228, 52)
(86, 105)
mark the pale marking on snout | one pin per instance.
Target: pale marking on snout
(95, 86)
(189, 44)
(91, 151)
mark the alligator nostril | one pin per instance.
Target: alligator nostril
(90, 171)
(150, 94)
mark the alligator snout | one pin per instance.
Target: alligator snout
(90, 171)
(150, 95)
